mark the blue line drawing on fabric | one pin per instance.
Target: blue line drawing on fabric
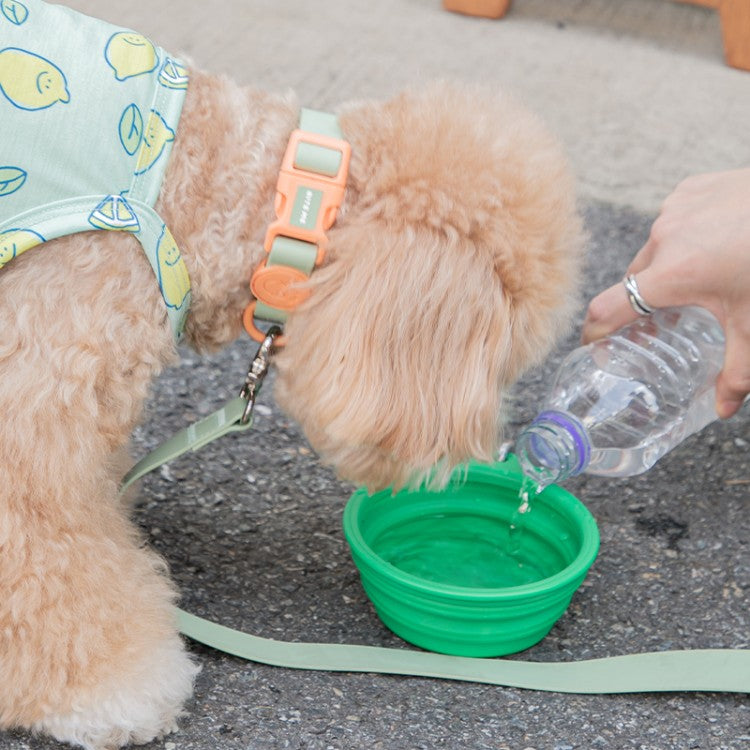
(15, 12)
(31, 82)
(173, 74)
(130, 54)
(131, 129)
(13, 242)
(114, 213)
(11, 179)
(155, 137)
(174, 280)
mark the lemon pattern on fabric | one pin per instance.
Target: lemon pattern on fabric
(30, 81)
(88, 115)
(116, 214)
(155, 137)
(131, 128)
(13, 242)
(15, 12)
(173, 75)
(130, 54)
(11, 179)
(173, 275)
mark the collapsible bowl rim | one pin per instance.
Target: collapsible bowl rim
(505, 475)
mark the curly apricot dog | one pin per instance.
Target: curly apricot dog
(451, 268)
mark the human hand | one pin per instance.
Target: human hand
(698, 253)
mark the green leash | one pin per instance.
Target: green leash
(708, 670)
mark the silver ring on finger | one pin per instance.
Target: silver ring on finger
(635, 297)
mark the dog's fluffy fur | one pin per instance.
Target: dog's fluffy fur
(452, 268)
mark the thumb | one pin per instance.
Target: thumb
(611, 310)
(733, 383)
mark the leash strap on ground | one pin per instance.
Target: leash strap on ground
(709, 670)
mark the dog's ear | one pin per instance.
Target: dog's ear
(451, 271)
(394, 364)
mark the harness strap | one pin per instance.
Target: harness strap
(112, 213)
(710, 670)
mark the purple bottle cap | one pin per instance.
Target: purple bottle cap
(576, 431)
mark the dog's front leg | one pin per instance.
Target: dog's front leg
(88, 647)
(89, 651)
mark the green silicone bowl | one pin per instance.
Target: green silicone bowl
(444, 572)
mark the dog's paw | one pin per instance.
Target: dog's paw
(142, 708)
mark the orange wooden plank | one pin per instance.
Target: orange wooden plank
(485, 8)
(735, 29)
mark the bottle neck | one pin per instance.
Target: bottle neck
(553, 447)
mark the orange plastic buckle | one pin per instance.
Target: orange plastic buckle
(292, 179)
(306, 206)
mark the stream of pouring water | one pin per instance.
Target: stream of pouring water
(529, 489)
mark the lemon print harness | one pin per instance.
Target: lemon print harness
(88, 115)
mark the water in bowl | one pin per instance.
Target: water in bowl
(461, 550)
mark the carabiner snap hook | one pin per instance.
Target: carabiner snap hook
(257, 372)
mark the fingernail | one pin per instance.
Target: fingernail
(590, 332)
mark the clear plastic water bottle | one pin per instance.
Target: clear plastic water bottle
(619, 404)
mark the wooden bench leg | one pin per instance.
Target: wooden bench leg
(485, 8)
(735, 22)
(735, 29)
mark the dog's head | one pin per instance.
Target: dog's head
(451, 269)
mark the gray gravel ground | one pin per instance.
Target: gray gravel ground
(251, 528)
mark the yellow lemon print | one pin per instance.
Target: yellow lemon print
(130, 54)
(13, 242)
(116, 214)
(173, 75)
(31, 82)
(173, 275)
(155, 137)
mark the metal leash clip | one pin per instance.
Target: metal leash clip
(257, 372)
